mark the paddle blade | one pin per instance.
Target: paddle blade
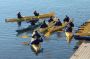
(47, 34)
(25, 36)
(25, 43)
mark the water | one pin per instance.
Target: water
(11, 46)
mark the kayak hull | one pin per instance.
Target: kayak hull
(29, 28)
(77, 37)
(36, 48)
(69, 36)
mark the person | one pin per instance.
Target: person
(44, 25)
(35, 13)
(19, 16)
(36, 38)
(66, 19)
(36, 34)
(51, 19)
(68, 28)
(58, 23)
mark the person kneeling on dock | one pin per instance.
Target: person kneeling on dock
(19, 16)
(44, 25)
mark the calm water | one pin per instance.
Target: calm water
(11, 46)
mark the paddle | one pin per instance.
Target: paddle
(26, 36)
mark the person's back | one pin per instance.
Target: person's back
(35, 13)
(71, 24)
(19, 15)
(58, 23)
(51, 19)
(44, 25)
(66, 19)
(68, 28)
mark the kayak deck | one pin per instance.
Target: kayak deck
(30, 18)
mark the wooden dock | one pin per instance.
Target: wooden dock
(83, 52)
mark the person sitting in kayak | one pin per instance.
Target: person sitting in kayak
(19, 16)
(36, 34)
(35, 13)
(66, 19)
(44, 25)
(51, 19)
(71, 24)
(36, 38)
(33, 21)
(58, 23)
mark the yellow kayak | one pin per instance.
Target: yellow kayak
(43, 30)
(54, 29)
(69, 36)
(36, 48)
(28, 18)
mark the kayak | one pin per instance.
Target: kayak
(29, 28)
(53, 29)
(69, 36)
(35, 44)
(36, 48)
(77, 37)
(29, 18)
(44, 30)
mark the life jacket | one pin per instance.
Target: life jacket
(68, 29)
(37, 41)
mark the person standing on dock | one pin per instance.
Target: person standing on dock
(19, 16)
